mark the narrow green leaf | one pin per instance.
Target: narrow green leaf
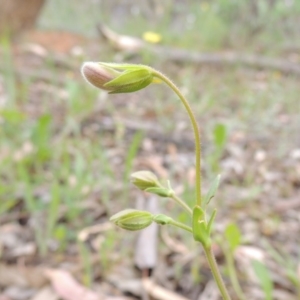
(220, 135)
(212, 190)
(233, 236)
(211, 221)
(264, 277)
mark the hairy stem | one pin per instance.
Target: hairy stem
(181, 225)
(182, 203)
(195, 128)
(216, 273)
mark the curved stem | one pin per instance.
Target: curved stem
(216, 273)
(181, 225)
(182, 203)
(195, 128)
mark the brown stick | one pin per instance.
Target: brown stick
(135, 45)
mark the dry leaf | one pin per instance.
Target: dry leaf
(21, 276)
(158, 292)
(68, 288)
(46, 293)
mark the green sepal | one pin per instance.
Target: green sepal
(128, 77)
(144, 180)
(130, 81)
(162, 219)
(212, 190)
(160, 191)
(125, 66)
(132, 219)
(133, 87)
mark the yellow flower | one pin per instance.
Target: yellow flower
(152, 37)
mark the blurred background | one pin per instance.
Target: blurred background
(67, 150)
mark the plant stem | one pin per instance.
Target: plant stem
(181, 225)
(182, 203)
(216, 273)
(195, 128)
(232, 274)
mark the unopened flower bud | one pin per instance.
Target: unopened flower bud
(98, 75)
(117, 78)
(144, 180)
(132, 219)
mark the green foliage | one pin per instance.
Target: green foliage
(212, 190)
(233, 236)
(264, 278)
(220, 139)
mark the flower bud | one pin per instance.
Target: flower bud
(98, 75)
(144, 180)
(117, 78)
(132, 219)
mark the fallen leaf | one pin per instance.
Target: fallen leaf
(21, 276)
(46, 293)
(158, 292)
(68, 288)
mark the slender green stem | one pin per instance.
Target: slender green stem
(182, 203)
(216, 273)
(232, 273)
(195, 128)
(181, 225)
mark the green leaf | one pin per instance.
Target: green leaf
(211, 221)
(220, 135)
(12, 116)
(233, 236)
(212, 190)
(264, 277)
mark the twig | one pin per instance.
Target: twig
(135, 45)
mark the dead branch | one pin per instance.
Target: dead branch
(135, 45)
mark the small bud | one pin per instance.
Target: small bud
(117, 78)
(144, 180)
(132, 219)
